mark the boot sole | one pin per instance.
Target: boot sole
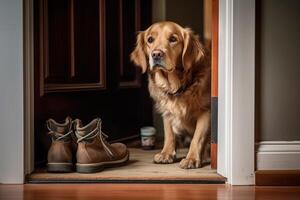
(97, 167)
(60, 167)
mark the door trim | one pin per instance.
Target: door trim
(214, 83)
(236, 91)
(28, 86)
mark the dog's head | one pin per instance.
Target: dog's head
(167, 46)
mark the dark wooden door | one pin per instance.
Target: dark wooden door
(82, 66)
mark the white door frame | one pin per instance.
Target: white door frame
(236, 155)
(236, 93)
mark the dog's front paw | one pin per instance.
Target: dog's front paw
(190, 163)
(164, 158)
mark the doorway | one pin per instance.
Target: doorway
(96, 83)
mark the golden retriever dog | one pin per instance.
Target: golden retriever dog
(179, 82)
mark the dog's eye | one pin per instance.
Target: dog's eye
(150, 39)
(172, 39)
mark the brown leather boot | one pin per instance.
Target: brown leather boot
(94, 153)
(60, 152)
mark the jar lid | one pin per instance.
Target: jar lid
(148, 131)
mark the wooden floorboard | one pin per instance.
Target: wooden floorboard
(140, 169)
(144, 192)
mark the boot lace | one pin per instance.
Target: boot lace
(56, 136)
(93, 134)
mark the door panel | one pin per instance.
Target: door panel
(72, 45)
(55, 35)
(129, 22)
(82, 66)
(88, 41)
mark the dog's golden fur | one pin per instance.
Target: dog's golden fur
(179, 85)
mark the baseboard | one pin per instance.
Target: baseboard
(277, 178)
(278, 155)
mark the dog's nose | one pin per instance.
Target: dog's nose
(157, 54)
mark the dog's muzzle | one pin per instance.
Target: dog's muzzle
(157, 58)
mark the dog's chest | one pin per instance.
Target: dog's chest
(180, 109)
(178, 113)
(176, 108)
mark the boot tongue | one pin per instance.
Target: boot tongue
(61, 130)
(85, 130)
(57, 129)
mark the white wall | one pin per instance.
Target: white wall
(277, 85)
(11, 91)
(278, 70)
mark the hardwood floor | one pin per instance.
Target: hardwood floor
(144, 192)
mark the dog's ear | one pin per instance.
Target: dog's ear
(138, 56)
(193, 51)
